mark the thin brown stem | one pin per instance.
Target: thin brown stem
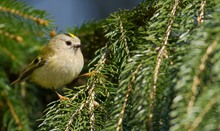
(17, 38)
(27, 16)
(68, 126)
(196, 79)
(160, 55)
(13, 113)
(202, 114)
(121, 115)
(202, 10)
(91, 107)
(124, 37)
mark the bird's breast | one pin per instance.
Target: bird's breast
(59, 70)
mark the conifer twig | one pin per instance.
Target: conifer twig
(121, 115)
(81, 107)
(74, 114)
(91, 107)
(202, 10)
(17, 38)
(159, 60)
(91, 87)
(123, 36)
(8, 53)
(198, 120)
(13, 113)
(196, 80)
(17, 12)
(77, 94)
(100, 66)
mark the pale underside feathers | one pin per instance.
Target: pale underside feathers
(58, 64)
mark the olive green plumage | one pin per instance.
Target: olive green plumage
(58, 64)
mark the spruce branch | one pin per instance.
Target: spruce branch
(200, 117)
(95, 79)
(161, 52)
(123, 36)
(8, 53)
(17, 38)
(27, 16)
(77, 94)
(202, 11)
(200, 69)
(144, 68)
(129, 89)
(70, 122)
(91, 107)
(20, 28)
(13, 113)
(193, 107)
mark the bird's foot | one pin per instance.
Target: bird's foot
(62, 98)
(88, 74)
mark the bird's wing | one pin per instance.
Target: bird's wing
(36, 63)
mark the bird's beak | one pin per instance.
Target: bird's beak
(76, 46)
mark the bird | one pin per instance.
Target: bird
(57, 65)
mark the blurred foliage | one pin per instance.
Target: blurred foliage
(23, 30)
(155, 67)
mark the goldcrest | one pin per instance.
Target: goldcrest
(58, 64)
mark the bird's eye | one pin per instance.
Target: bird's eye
(36, 60)
(68, 43)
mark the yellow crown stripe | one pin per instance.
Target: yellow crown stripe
(72, 35)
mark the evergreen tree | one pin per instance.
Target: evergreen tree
(155, 67)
